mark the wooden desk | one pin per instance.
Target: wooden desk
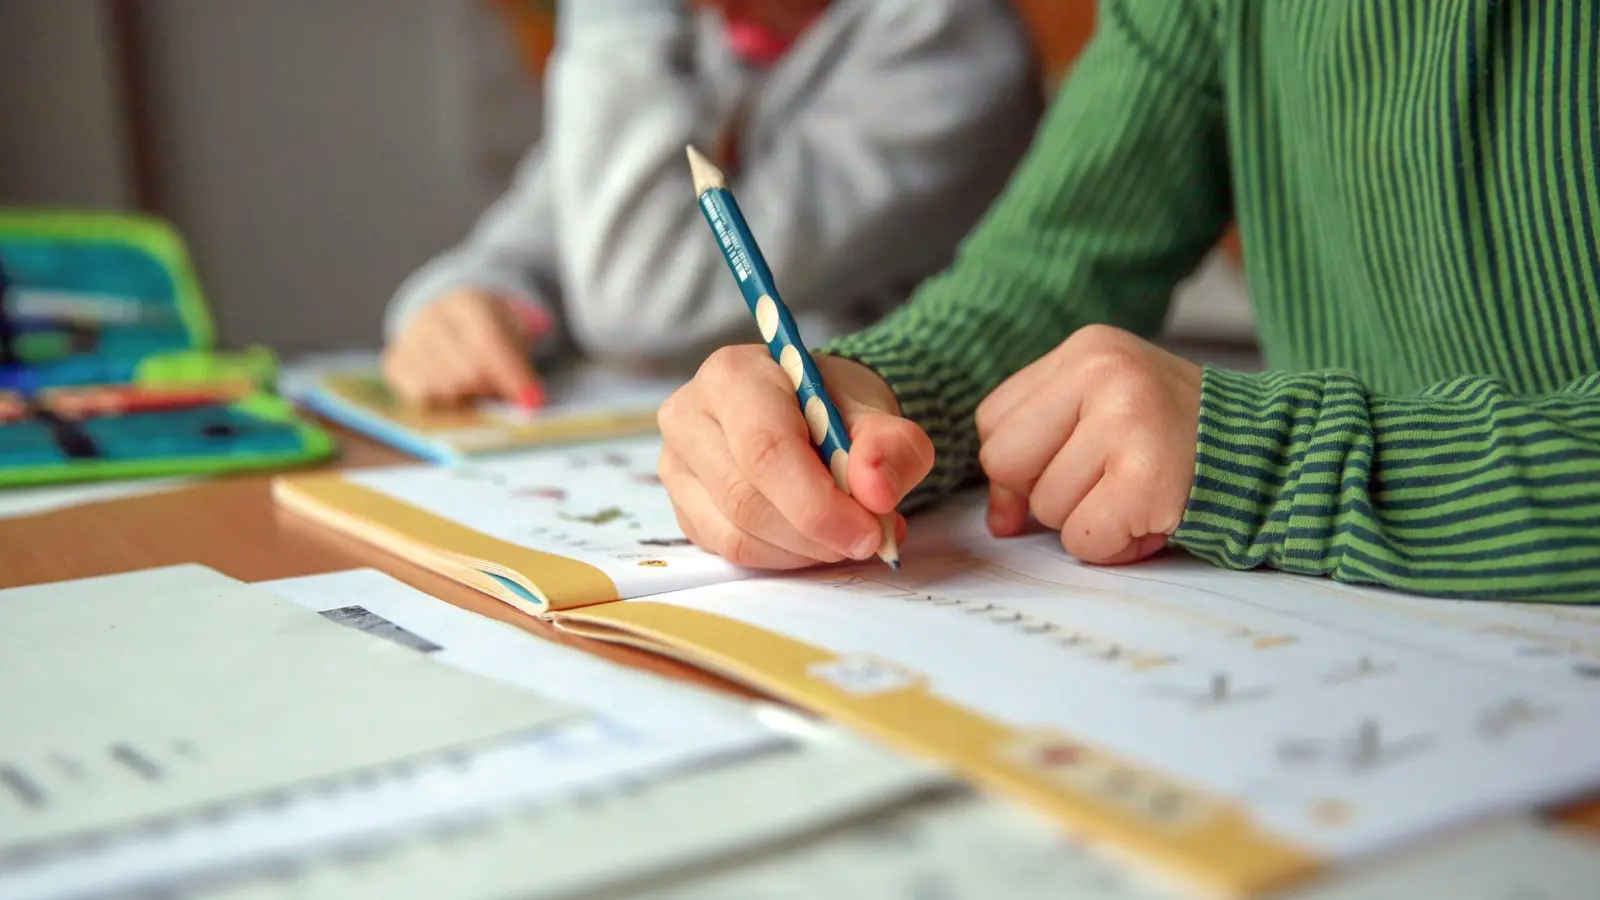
(232, 525)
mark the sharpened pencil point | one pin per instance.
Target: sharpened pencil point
(894, 564)
(706, 175)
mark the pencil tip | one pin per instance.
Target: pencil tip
(706, 175)
(894, 563)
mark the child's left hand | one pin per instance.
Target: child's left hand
(1097, 439)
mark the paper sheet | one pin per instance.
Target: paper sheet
(151, 696)
(980, 850)
(964, 848)
(668, 720)
(611, 839)
(1516, 860)
(637, 728)
(1340, 720)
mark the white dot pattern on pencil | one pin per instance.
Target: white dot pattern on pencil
(817, 420)
(838, 464)
(767, 317)
(793, 365)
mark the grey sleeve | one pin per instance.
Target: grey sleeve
(510, 251)
(903, 127)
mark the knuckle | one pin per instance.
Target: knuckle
(745, 504)
(999, 465)
(1110, 365)
(1047, 511)
(1093, 336)
(722, 365)
(811, 519)
(687, 528)
(667, 469)
(736, 547)
(984, 420)
(763, 453)
(671, 411)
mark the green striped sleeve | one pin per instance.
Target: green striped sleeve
(1122, 194)
(1465, 489)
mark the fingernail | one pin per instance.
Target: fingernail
(531, 397)
(863, 547)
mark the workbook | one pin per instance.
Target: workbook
(582, 403)
(1237, 731)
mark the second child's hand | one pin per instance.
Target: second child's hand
(468, 345)
(1097, 440)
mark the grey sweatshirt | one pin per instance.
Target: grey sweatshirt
(866, 153)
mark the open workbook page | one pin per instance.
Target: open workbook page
(1241, 728)
(582, 403)
(543, 530)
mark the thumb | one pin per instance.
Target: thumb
(889, 456)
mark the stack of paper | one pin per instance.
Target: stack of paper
(176, 730)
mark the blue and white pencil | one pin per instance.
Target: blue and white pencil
(778, 329)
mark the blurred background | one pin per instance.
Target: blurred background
(314, 152)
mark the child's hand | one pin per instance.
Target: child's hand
(746, 480)
(1097, 439)
(466, 345)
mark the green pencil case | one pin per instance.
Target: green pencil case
(91, 300)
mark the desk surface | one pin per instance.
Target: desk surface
(232, 525)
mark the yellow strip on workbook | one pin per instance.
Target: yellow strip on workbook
(469, 556)
(1144, 813)
(471, 430)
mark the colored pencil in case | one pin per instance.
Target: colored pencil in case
(118, 400)
(778, 330)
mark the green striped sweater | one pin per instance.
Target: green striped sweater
(1417, 187)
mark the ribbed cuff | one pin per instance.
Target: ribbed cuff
(941, 400)
(1274, 451)
(578, 15)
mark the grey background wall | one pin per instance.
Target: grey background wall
(313, 151)
(61, 127)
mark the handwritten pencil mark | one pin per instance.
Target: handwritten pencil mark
(137, 762)
(1509, 716)
(22, 787)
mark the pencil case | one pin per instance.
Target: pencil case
(108, 304)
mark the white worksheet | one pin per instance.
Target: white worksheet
(1343, 721)
(599, 503)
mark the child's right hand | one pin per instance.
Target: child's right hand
(468, 344)
(746, 480)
